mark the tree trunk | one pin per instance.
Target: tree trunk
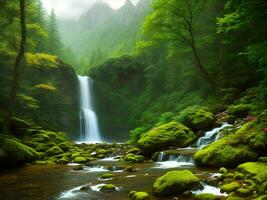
(17, 66)
(199, 64)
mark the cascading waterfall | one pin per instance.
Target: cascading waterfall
(210, 136)
(89, 129)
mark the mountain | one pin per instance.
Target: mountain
(102, 32)
(96, 15)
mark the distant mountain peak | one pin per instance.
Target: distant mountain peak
(128, 3)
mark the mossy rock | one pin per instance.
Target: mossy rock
(221, 153)
(197, 118)
(80, 160)
(243, 192)
(65, 146)
(54, 151)
(43, 162)
(134, 158)
(175, 183)
(207, 196)
(78, 168)
(239, 176)
(166, 135)
(258, 171)
(230, 187)
(262, 197)
(223, 170)
(13, 152)
(263, 159)
(139, 195)
(241, 110)
(107, 176)
(234, 198)
(108, 188)
(134, 150)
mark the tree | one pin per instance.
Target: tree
(17, 64)
(174, 20)
(55, 45)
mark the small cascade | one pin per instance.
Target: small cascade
(89, 129)
(210, 136)
(178, 158)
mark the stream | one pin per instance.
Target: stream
(61, 182)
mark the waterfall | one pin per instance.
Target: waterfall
(178, 158)
(210, 136)
(89, 129)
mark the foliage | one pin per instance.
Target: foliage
(41, 60)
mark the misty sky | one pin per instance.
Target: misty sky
(69, 9)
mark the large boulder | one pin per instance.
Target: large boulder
(243, 145)
(166, 135)
(175, 183)
(197, 118)
(13, 152)
(220, 153)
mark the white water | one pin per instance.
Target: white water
(210, 190)
(89, 129)
(211, 136)
(166, 161)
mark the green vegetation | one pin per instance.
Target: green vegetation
(166, 135)
(175, 182)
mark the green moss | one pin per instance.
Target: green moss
(108, 188)
(107, 176)
(262, 197)
(223, 170)
(243, 192)
(230, 187)
(206, 196)
(175, 182)
(41, 60)
(234, 198)
(47, 87)
(140, 196)
(80, 160)
(42, 162)
(258, 170)
(239, 176)
(240, 110)
(238, 147)
(14, 152)
(197, 118)
(221, 153)
(171, 134)
(134, 158)
(54, 151)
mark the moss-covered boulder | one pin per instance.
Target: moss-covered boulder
(56, 150)
(139, 195)
(240, 110)
(166, 135)
(108, 188)
(197, 118)
(241, 146)
(207, 196)
(230, 187)
(107, 176)
(175, 183)
(130, 169)
(80, 160)
(258, 171)
(13, 152)
(134, 158)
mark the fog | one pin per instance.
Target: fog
(73, 9)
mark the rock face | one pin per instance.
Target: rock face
(166, 135)
(175, 183)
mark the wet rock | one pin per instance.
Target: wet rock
(243, 192)
(130, 169)
(108, 188)
(223, 170)
(80, 160)
(77, 168)
(85, 188)
(139, 195)
(230, 187)
(107, 176)
(207, 196)
(175, 182)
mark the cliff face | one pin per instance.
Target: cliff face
(47, 96)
